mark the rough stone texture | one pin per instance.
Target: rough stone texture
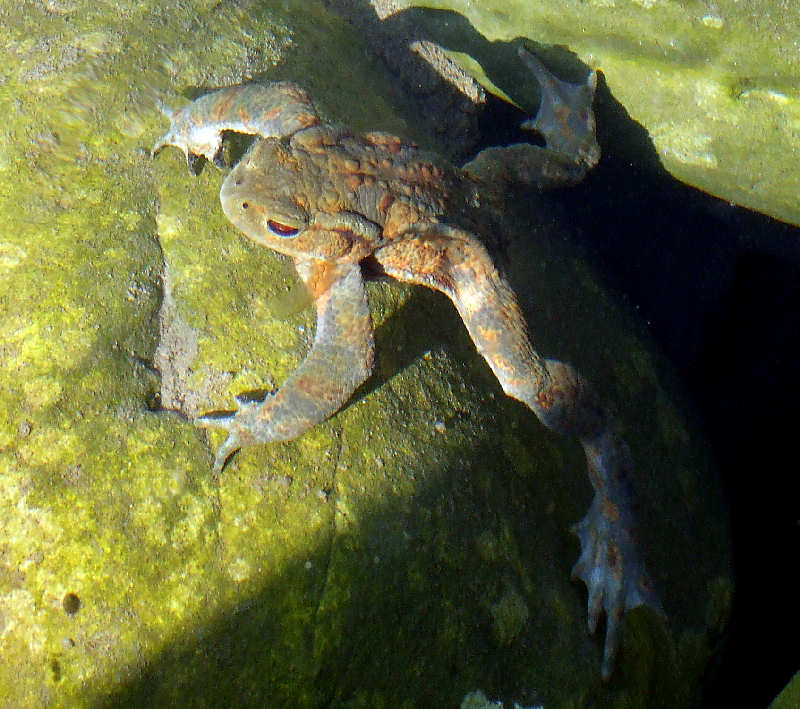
(443, 96)
(412, 549)
(713, 83)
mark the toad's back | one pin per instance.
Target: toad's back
(367, 174)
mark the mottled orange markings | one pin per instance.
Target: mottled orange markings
(610, 510)
(272, 114)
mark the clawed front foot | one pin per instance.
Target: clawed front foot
(614, 575)
(239, 426)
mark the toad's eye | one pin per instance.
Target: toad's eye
(281, 229)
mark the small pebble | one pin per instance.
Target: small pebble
(71, 603)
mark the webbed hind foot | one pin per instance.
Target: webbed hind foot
(566, 122)
(614, 574)
(565, 118)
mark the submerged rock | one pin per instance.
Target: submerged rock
(411, 549)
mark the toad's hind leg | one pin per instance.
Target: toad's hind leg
(455, 263)
(566, 122)
(339, 361)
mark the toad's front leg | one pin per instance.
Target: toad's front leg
(273, 110)
(339, 361)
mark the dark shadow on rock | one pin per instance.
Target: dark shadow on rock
(395, 350)
(430, 640)
(411, 572)
(717, 286)
(458, 126)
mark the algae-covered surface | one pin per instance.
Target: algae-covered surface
(412, 549)
(790, 696)
(714, 83)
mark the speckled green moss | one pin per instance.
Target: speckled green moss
(384, 559)
(100, 498)
(713, 83)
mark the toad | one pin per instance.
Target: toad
(340, 204)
